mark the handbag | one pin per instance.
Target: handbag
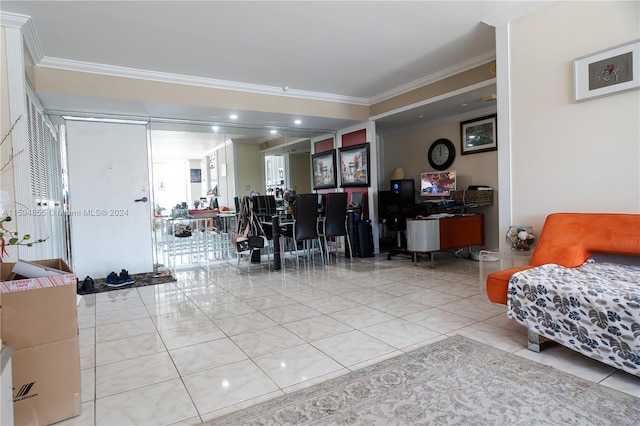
(242, 244)
(257, 241)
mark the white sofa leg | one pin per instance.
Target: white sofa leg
(537, 342)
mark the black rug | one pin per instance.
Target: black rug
(140, 280)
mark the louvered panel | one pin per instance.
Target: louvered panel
(42, 163)
(46, 185)
(32, 144)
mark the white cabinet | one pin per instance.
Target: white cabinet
(423, 235)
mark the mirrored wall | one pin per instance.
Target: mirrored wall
(197, 165)
(200, 170)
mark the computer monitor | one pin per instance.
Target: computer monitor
(405, 188)
(437, 184)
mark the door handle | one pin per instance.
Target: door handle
(143, 199)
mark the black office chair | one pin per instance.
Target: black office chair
(335, 220)
(392, 215)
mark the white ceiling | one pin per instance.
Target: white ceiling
(357, 51)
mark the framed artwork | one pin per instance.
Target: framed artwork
(354, 165)
(323, 167)
(196, 176)
(479, 135)
(608, 71)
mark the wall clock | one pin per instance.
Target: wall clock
(441, 154)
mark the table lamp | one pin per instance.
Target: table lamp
(398, 173)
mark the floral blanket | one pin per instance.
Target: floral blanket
(593, 309)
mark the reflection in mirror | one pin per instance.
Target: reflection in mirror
(197, 167)
(274, 174)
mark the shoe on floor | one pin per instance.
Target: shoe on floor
(125, 278)
(88, 284)
(112, 279)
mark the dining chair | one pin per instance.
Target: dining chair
(305, 226)
(335, 221)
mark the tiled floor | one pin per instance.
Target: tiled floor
(220, 339)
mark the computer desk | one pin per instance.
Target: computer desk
(432, 234)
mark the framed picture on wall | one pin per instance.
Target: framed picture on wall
(354, 166)
(609, 71)
(323, 169)
(479, 135)
(196, 176)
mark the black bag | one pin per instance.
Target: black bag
(365, 239)
(257, 241)
(242, 244)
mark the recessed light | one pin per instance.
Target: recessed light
(421, 116)
(215, 128)
(274, 131)
(298, 121)
(233, 116)
(464, 105)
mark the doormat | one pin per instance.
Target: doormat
(140, 280)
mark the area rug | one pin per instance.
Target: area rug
(140, 280)
(454, 381)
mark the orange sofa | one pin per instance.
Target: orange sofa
(589, 305)
(569, 239)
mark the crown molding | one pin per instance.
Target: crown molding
(435, 77)
(13, 20)
(116, 71)
(24, 23)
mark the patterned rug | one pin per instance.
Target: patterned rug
(453, 381)
(141, 280)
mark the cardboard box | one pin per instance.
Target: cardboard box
(38, 319)
(47, 383)
(39, 310)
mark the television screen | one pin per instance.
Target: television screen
(405, 188)
(437, 184)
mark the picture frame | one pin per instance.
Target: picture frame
(196, 175)
(323, 170)
(479, 135)
(607, 72)
(354, 166)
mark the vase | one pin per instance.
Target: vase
(521, 237)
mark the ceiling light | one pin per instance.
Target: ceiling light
(215, 128)
(233, 116)
(298, 121)
(274, 131)
(464, 105)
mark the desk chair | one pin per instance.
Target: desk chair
(305, 225)
(335, 221)
(394, 219)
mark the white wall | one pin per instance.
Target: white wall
(566, 156)
(249, 163)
